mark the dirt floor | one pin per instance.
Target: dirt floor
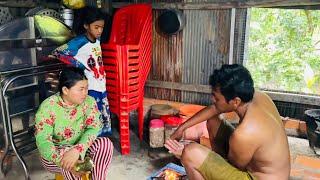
(143, 161)
(140, 164)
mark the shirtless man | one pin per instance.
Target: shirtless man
(256, 149)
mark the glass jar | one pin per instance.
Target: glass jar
(171, 124)
(156, 132)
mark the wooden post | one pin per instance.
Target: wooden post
(106, 6)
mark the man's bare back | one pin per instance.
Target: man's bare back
(256, 149)
(271, 159)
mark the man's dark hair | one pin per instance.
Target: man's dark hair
(86, 15)
(69, 76)
(234, 81)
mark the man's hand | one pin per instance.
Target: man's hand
(174, 147)
(202, 115)
(69, 159)
(177, 134)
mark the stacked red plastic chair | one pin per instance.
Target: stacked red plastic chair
(127, 60)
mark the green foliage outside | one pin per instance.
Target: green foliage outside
(284, 49)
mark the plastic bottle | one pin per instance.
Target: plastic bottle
(171, 124)
(156, 131)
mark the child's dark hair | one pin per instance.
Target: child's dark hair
(86, 15)
(234, 81)
(69, 76)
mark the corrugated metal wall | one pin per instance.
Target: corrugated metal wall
(205, 47)
(190, 56)
(167, 63)
(240, 36)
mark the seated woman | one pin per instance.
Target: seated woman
(67, 125)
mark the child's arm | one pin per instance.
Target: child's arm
(67, 52)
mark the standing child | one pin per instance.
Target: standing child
(84, 51)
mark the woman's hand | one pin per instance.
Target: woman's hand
(69, 159)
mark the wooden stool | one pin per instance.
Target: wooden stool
(83, 177)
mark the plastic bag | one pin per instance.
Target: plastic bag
(74, 4)
(85, 166)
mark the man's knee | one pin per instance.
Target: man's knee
(194, 154)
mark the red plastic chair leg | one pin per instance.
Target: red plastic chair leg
(140, 120)
(124, 133)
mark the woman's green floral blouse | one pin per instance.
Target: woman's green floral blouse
(60, 127)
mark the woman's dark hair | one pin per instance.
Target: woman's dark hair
(86, 15)
(69, 76)
(234, 81)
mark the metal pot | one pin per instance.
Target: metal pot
(313, 128)
(67, 16)
(171, 21)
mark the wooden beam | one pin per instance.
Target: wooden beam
(206, 89)
(307, 7)
(107, 6)
(228, 4)
(195, 6)
(279, 3)
(294, 98)
(179, 5)
(179, 86)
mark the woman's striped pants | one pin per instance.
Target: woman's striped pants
(101, 153)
